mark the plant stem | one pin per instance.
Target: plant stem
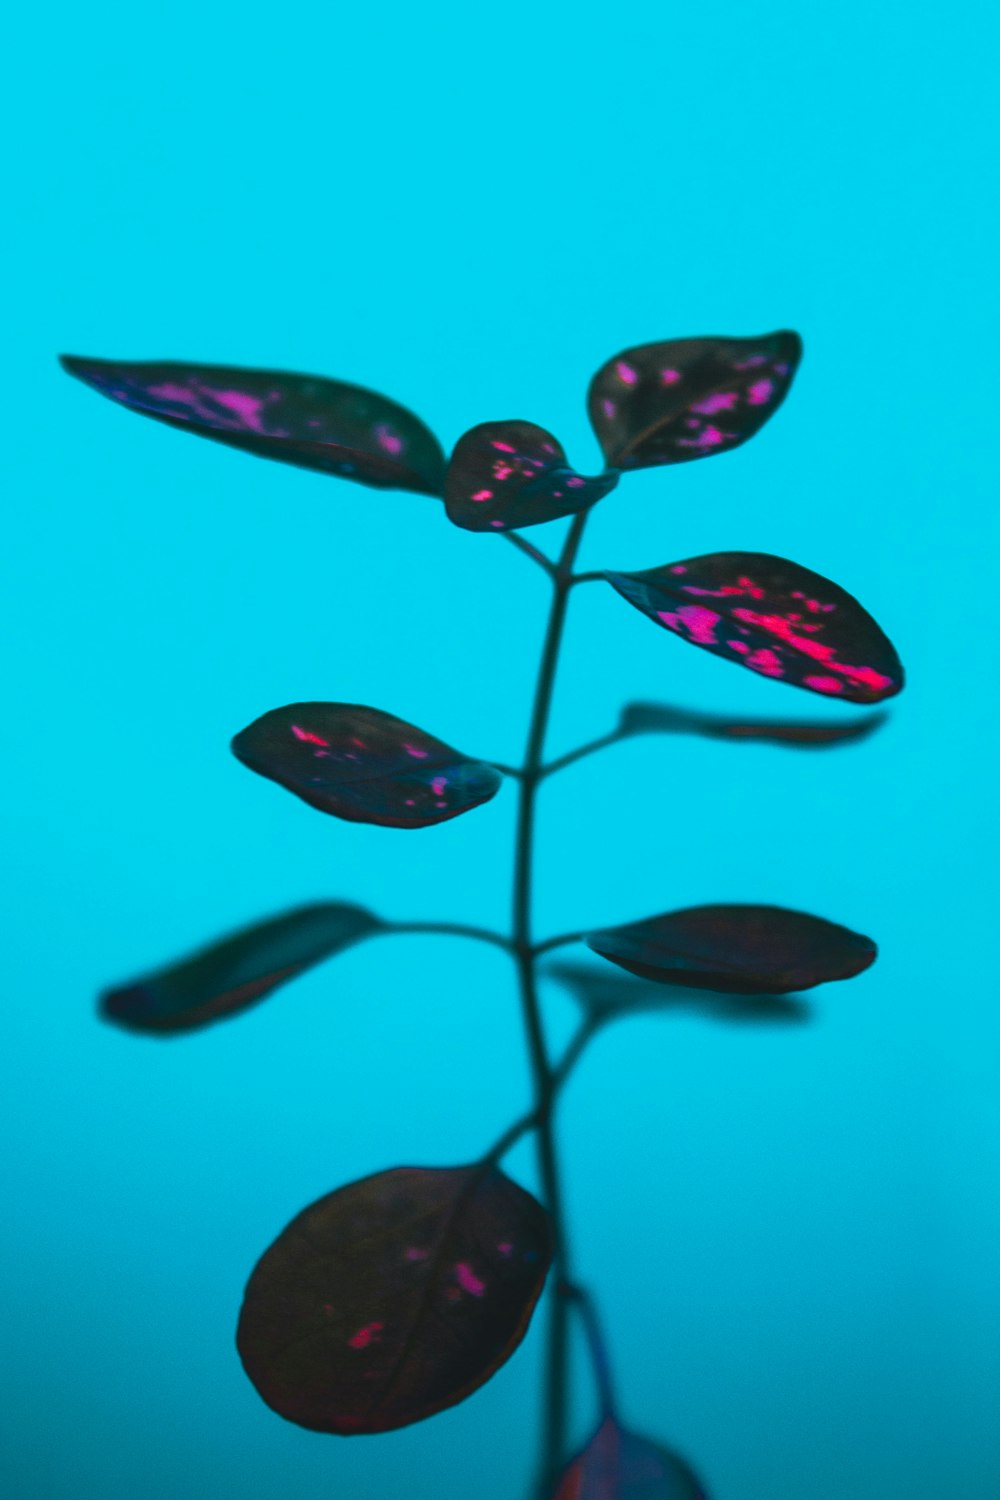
(554, 1428)
(453, 929)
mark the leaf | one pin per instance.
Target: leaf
(236, 972)
(620, 1465)
(394, 1297)
(661, 718)
(668, 403)
(364, 765)
(773, 616)
(299, 419)
(740, 950)
(505, 475)
(608, 996)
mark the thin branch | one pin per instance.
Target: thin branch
(557, 942)
(584, 1304)
(590, 748)
(597, 577)
(535, 553)
(454, 929)
(560, 1074)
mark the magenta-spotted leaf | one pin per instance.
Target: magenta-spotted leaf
(304, 420)
(663, 718)
(670, 402)
(394, 1297)
(364, 765)
(505, 475)
(773, 616)
(239, 970)
(740, 950)
(618, 1464)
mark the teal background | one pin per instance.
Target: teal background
(793, 1233)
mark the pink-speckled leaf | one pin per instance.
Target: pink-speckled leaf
(394, 1297)
(663, 718)
(364, 765)
(304, 420)
(505, 475)
(773, 616)
(740, 950)
(618, 1464)
(239, 970)
(670, 402)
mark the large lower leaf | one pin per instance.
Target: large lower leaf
(740, 950)
(505, 475)
(671, 402)
(773, 616)
(620, 1465)
(394, 1297)
(364, 765)
(237, 971)
(305, 420)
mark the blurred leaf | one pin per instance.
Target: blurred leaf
(364, 765)
(394, 1297)
(236, 972)
(670, 402)
(661, 718)
(620, 1465)
(300, 419)
(505, 475)
(740, 950)
(609, 996)
(773, 616)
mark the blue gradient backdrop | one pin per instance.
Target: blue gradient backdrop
(794, 1233)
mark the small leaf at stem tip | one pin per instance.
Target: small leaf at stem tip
(618, 1464)
(671, 402)
(662, 718)
(773, 616)
(304, 420)
(364, 765)
(739, 950)
(505, 475)
(237, 971)
(394, 1297)
(609, 996)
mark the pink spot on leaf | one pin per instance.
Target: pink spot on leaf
(308, 736)
(625, 373)
(365, 1336)
(468, 1280)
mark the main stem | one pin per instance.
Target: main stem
(554, 1427)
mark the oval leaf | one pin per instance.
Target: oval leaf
(740, 950)
(299, 419)
(773, 616)
(394, 1297)
(619, 1465)
(607, 996)
(662, 718)
(505, 475)
(236, 972)
(364, 765)
(670, 402)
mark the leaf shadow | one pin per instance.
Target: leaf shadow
(607, 996)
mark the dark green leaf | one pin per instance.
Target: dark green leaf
(505, 475)
(304, 420)
(671, 402)
(662, 718)
(773, 616)
(394, 1297)
(236, 972)
(364, 765)
(740, 950)
(620, 1465)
